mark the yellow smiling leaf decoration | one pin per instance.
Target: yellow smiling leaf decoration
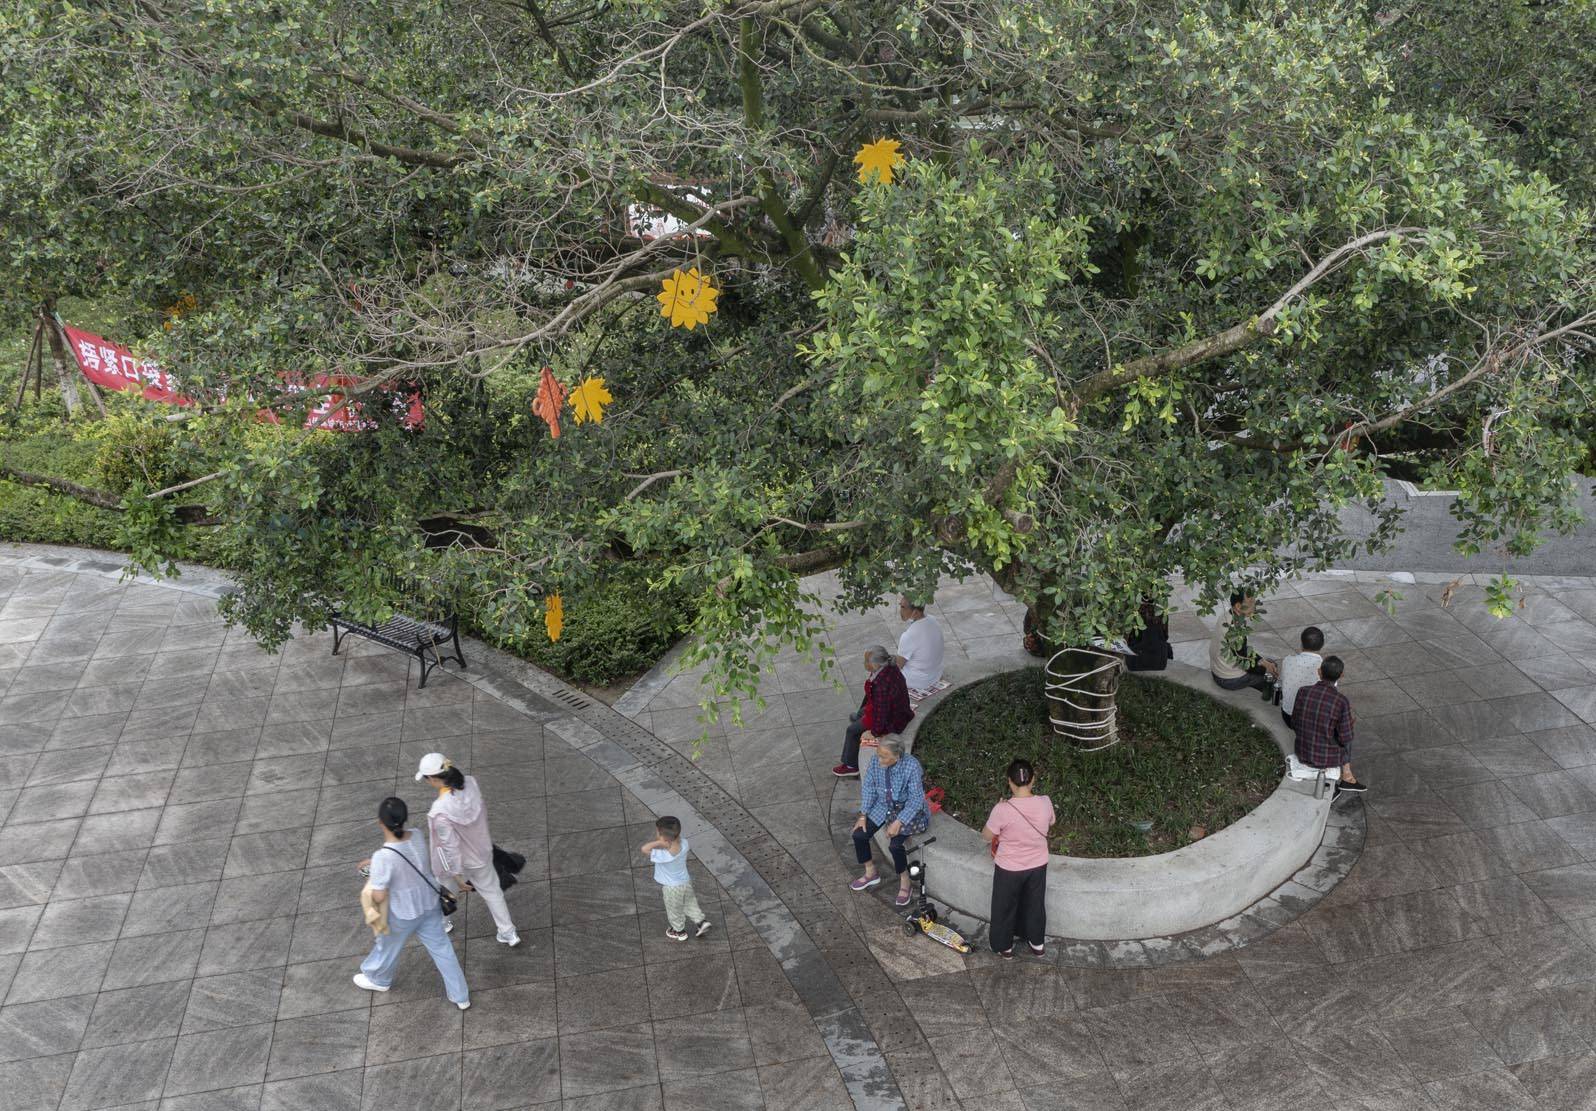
(687, 299)
(589, 399)
(554, 616)
(878, 159)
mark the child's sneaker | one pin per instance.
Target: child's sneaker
(676, 935)
(703, 928)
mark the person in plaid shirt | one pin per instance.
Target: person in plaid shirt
(1322, 718)
(884, 709)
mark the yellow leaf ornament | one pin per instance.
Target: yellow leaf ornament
(687, 299)
(554, 616)
(878, 159)
(588, 400)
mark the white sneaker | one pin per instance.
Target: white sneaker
(365, 984)
(466, 1006)
(512, 941)
(448, 926)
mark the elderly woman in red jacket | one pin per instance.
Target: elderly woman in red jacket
(884, 710)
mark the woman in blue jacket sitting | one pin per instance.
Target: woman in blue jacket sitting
(891, 797)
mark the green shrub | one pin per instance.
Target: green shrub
(610, 634)
(1184, 760)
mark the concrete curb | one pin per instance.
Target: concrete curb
(1153, 896)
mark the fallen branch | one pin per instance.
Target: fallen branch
(101, 499)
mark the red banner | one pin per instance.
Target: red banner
(337, 412)
(115, 368)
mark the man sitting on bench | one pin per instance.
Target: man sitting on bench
(919, 651)
(1234, 665)
(1322, 718)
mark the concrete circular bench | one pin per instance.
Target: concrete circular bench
(1151, 896)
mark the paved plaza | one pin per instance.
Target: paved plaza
(182, 814)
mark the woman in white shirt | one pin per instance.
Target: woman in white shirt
(402, 880)
(462, 846)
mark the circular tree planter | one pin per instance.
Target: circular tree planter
(1206, 882)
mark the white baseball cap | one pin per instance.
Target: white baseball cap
(431, 764)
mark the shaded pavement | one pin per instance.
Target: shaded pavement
(181, 816)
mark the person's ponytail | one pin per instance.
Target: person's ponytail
(1021, 773)
(393, 814)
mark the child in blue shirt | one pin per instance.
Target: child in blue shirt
(668, 851)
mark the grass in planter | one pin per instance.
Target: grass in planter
(1184, 760)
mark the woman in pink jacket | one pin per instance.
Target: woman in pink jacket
(462, 847)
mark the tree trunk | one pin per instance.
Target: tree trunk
(1082, 685)
(68, 378)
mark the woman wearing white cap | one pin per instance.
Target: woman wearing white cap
(462, 847)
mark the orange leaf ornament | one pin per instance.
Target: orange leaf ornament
(687, 299)
(554, 615)
(588, 400)
(549, 401)
(878, 159)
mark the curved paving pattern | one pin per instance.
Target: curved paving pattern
(175, 930)
(1452, 968)
(181, 817)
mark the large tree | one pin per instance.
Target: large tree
(1159, 289)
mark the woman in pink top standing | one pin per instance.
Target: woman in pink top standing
(1019, 827)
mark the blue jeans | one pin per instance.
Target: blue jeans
(384, 956)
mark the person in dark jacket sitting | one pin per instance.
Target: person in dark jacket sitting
(1150, 650)
(884, 709)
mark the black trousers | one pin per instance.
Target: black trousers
(850, 741)
(1019, 906)
(861, 847)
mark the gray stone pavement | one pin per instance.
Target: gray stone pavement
(1429, 531)
(180, 815)
(1454, 968)
(180, 818)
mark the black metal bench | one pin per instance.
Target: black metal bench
(420, 639)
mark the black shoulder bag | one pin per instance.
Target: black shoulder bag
(446, 900)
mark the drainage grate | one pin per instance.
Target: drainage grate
(571, 698)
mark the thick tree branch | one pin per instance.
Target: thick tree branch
(824, 526)
(100, 499)
(731, 241)
(415, 107)
(1488, 363)
(816, 559)
(1237, 336)
(649, 480)
(189, 485)
(411, 156)
(547, 34)
(749, 42)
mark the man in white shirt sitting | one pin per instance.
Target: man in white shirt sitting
(919, 648)
(1300, 669)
